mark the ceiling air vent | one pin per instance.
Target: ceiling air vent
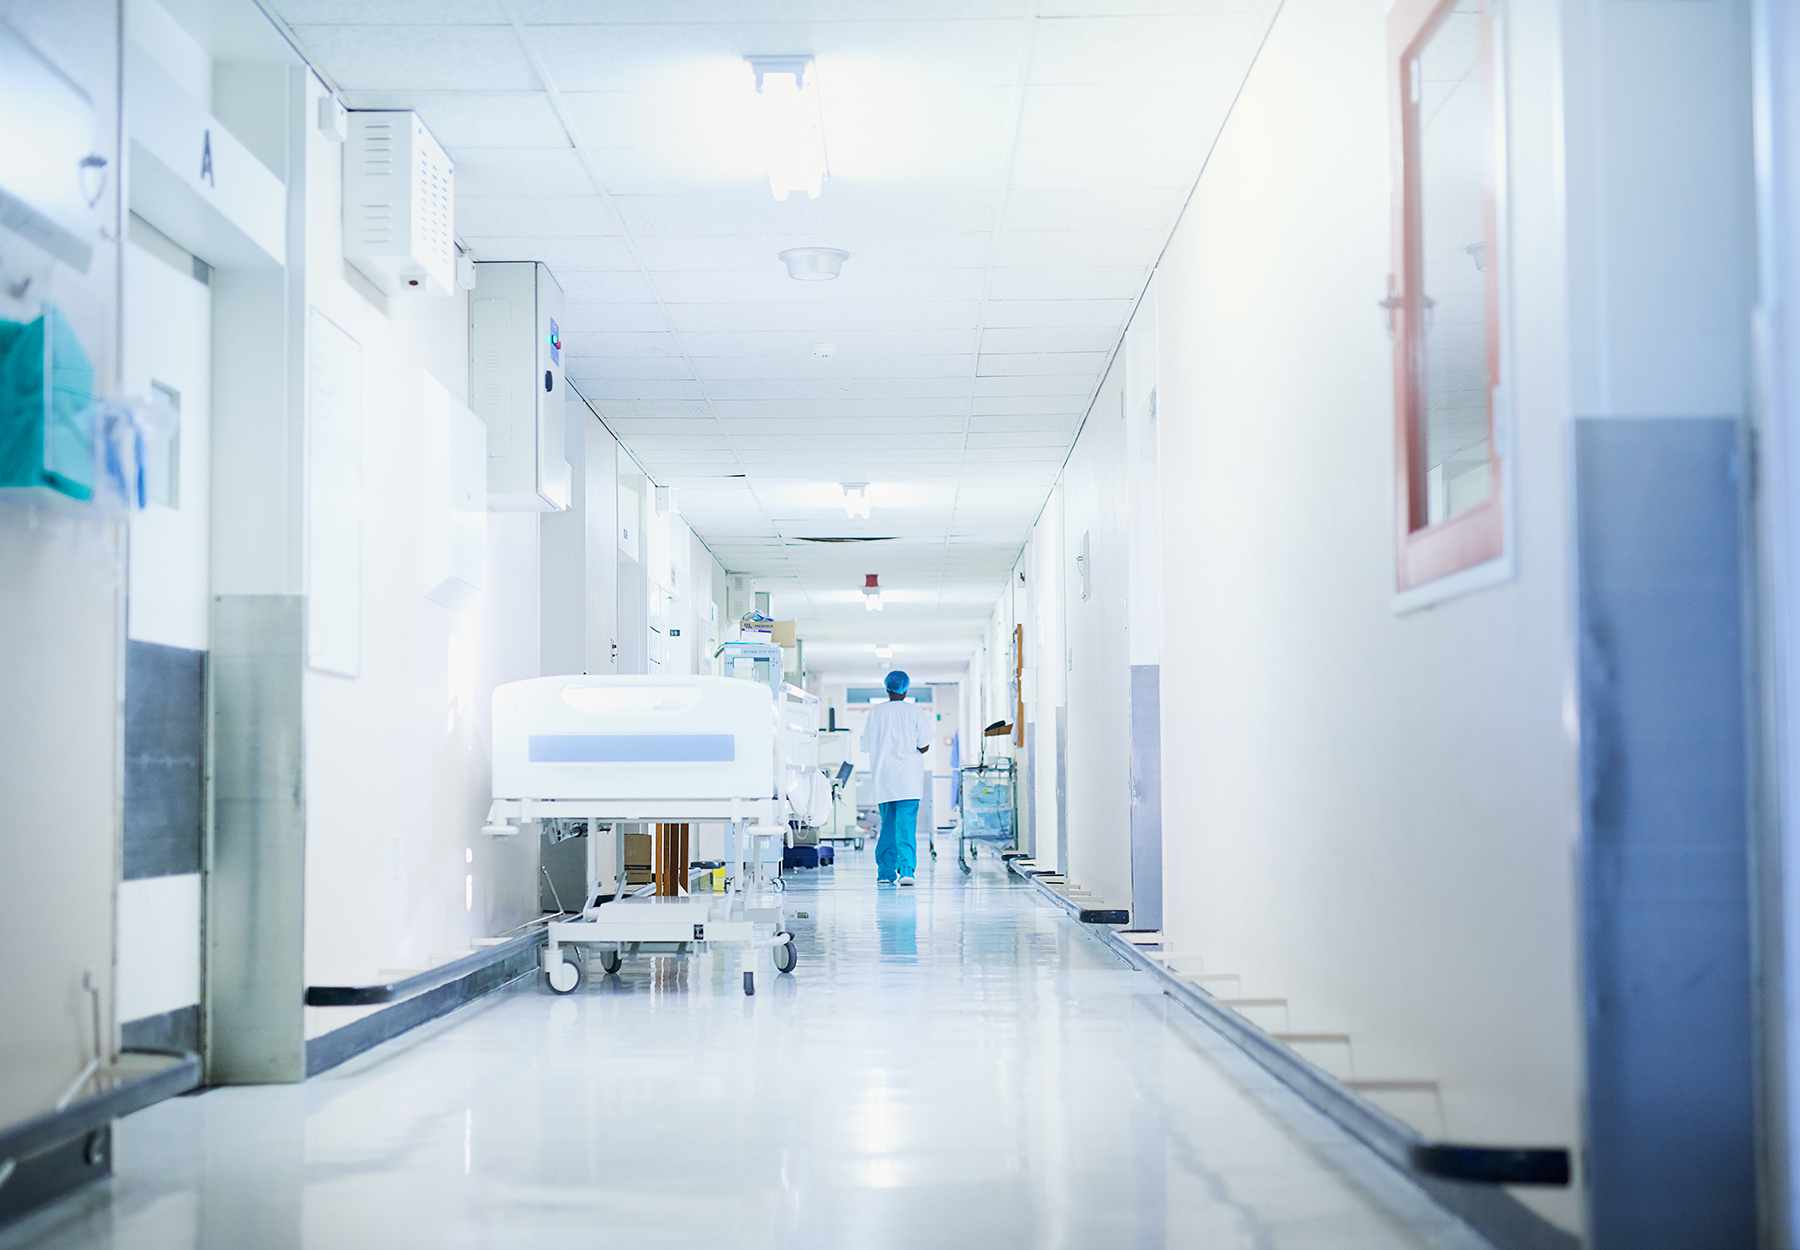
(860, 538)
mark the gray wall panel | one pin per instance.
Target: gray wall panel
(165, 741)
(1665, 847)
(1146, 797)
(257, 858)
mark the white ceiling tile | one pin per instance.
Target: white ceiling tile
(657, 409)
(759, 213)
(1112, 208)
(584, 344)
(512, 216)
(588, 371)
(855, 286)
(707, 58)
(671, 456)
(1088, 283)
(832, 318)
(1109, 314)
(1041, 364)
(475, 119)
(390, 12)
(845, 388)
(520, 172)
(812, 369)
(801, 345)
(967, 250)
(599, 390)
(1067, 406)
(632, 428)
(1170, 48)
(603, 287)
(1100, 112)
(802, 427)
(1035, 384)
(615, 317)
(1039, 438)
(889, 406)
(1042, 248)
(847, 443)
(565, 254)
(422, 58)
(1148, 163)
(986, 456)
(1064, 425)
(1048, 340)
(656, 444)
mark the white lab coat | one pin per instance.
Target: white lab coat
(892, 737)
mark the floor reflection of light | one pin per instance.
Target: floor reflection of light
(879, 1132)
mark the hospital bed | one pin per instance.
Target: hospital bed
(669, 750)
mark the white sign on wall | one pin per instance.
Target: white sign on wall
(333, 497)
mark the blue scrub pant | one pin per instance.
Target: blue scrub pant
(895, 853)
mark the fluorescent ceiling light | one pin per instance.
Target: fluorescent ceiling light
(856, 499)
(794, 140)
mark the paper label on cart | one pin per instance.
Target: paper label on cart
(632, 748)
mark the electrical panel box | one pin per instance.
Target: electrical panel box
(399, 189)
(516, 383)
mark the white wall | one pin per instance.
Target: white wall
(1096, 657)
(1372, 815)
(398, 769)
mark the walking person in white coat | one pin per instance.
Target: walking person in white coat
(895, 736)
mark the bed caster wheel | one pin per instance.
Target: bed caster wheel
(749, 984)
(786, 957)
(564, 977)
(610, 961)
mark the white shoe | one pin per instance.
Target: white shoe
(905, 880)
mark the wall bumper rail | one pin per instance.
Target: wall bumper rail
(415, 1000)
(47, 1156)
(1493, 1165)
(410, 987)
(1466, 1180)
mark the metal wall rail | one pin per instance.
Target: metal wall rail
(409, 987)
(130, 1092)
(1466, 1179)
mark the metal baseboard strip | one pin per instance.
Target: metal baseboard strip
(1484, 1206)
(417, 1000)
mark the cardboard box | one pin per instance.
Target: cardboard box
(783, 632)
(640, 850)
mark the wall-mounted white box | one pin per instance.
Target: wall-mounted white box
(399, 191)
(455, 512)
(516, 384)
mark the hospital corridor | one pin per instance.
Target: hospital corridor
(1059, 624)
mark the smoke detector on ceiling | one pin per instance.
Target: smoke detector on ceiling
(813, 264)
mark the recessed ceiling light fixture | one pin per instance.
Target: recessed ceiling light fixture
(856, 499)
(813, 264)
(789, 104)
(883, 651)
(871, 592)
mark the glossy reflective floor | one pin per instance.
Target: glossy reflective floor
(953, 1065)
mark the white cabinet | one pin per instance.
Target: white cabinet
(516, 384)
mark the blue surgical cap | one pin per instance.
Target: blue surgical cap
(897, 682)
